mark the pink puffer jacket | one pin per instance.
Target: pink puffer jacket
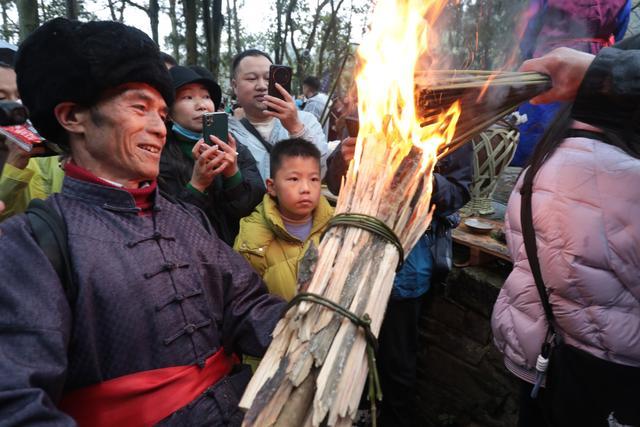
(586, 213)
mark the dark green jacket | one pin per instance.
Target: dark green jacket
(224, 205)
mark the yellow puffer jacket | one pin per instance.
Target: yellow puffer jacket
(42, 177)
(274, 253)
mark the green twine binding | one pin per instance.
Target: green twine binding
(371, 224)
(364, 322)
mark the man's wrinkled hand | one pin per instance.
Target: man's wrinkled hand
(566, 67)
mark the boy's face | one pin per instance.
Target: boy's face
(296, 186)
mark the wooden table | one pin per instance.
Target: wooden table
(482, 247)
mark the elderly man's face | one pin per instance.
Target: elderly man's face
(124, 135)
(251, 83)
(8, 86)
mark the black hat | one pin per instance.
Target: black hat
(184, 75)
(71, 61)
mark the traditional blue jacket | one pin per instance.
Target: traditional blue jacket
(153, 292)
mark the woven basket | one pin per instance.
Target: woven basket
(493, 150)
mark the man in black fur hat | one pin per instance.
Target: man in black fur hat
(132, 331)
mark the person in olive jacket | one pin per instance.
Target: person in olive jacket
(220, 178)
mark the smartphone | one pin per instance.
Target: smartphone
(279, 74)
(216, 124)
(353, 126)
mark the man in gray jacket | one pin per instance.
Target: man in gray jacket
(143, 325)
(317, 103)
(261, 128)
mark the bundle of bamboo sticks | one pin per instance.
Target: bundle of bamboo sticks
(316, 367)
(484, 97)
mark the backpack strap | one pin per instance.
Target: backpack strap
(530, 246)
(247, 124)
(50, 232)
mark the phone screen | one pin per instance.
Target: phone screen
(216, 124)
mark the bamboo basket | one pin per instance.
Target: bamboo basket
(493, 150)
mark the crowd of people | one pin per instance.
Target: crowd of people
(148, 283)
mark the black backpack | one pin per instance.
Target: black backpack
(50, 232)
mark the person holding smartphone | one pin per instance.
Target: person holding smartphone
(24, 176)
(220, 177)
(268, 119)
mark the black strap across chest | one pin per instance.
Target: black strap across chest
(247, 124)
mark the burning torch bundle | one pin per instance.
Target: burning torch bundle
(484, 98)
(315, 370)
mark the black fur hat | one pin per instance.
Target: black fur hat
(64, 61)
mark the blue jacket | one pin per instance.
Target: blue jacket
(452, 181)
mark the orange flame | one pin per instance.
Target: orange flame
(401, 32)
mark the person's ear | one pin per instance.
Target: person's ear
(71, 116)
(271, 187)
(234, 86)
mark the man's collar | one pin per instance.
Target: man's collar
(110, 193)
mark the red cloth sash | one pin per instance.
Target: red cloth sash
(145, 398)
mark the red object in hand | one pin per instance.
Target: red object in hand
(22, 135)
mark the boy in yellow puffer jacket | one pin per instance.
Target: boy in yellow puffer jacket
(293, 213)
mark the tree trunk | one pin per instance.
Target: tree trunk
(302, 60)
(152, 12)
(112, 9)
(314, 26)
(218, 23)
(288, 27)
(229, 33)
(71, 9)
(121, 15)
(154, 19)
(6, 32)
(190, 33)
(175, 41)
(236, 28)
(329, 30)
(206, 26)
(28, 17)
(277, 37)
(488, 33)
